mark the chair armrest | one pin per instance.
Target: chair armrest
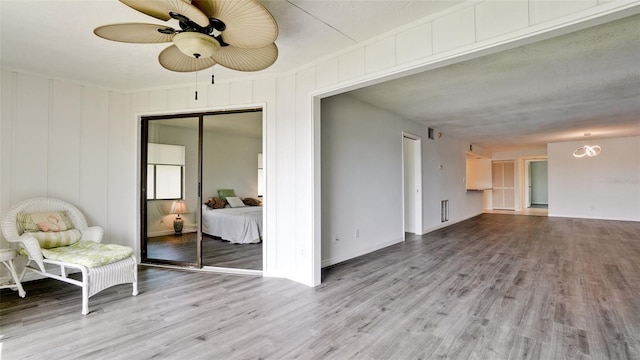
(32, 247)
(93, 233)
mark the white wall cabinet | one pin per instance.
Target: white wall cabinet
(503, 179)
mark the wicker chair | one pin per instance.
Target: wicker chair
(94, 279)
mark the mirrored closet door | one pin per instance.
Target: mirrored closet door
(202, 188)
(170, 190)
(232, 210)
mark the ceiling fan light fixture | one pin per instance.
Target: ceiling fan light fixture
(196, 44)
(587, 150)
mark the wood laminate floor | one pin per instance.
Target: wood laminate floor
(215, 252)
(492, 287)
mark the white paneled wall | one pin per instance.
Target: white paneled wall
(494, 18)
(545, 10)
(93, 155)
(67, 141)
(218, 95)
(102, 126)
(454, 30)
(380, 55)
(241, 92)
(265, 93)
(328, 73)
(414, 44)
(351, 64)
(282, 190)
(66, 117)
(305, 83)
(30, 135)
(122, 180)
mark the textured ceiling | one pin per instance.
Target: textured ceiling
(550, 91)
(526, 97)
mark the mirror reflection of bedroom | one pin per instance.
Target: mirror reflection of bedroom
(222, 151)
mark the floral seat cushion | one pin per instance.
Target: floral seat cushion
(88, 253)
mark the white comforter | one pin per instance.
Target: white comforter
(242, 225)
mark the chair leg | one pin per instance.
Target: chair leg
(14, 275)
(85, 292)
(135, 279)
(24, 271)
(85, 300)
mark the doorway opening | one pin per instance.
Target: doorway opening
(536, 186)
(412, 183)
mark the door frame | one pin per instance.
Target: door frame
(418, 211)
(525, 179)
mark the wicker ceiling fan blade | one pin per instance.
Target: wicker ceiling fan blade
(138, 33)
(248, 23)
(243, 59)
(160, 9)
(173, 59)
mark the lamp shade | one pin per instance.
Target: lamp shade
(178, 207)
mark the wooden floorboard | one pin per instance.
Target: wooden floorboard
(215, 251)
(492, 287)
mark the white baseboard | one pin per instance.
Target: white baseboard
(591, 217)
(349, 256)
(169, 232)
(209, 269)
(449, 223)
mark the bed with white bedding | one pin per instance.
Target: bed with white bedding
(241, 225)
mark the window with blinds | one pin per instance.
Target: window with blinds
(165, 171)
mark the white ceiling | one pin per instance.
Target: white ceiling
(551, 91)
(55, 37)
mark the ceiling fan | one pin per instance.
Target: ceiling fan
(237, 34)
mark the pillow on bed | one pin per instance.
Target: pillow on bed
(251, 202)
(235, 202)
(225, 193)
(216, 203)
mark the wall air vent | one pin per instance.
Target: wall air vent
(444, 210)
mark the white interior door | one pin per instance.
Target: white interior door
(412, 175)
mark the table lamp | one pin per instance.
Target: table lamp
(178, 207)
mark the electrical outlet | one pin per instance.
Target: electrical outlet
(357, 233)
